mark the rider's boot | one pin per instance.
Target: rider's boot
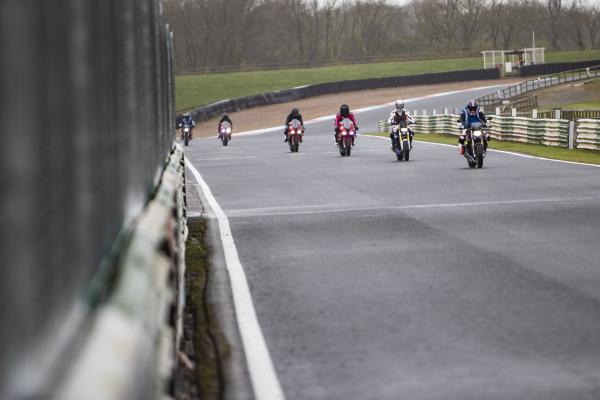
(461, 149)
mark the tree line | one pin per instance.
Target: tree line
(229, 34)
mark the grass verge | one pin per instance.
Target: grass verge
(202, 89)
(584, 105)
(556, 153)
(203, 344)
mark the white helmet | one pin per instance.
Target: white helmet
(399, 104)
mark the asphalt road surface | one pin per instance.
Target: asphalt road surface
(379, 279)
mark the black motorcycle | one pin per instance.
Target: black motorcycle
(401, 143)
(474, 144)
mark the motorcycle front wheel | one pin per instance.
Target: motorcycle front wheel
(479, 155)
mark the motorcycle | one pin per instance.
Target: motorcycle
(225, 132)
(347, 133)
(186, 133)
(295, 134)
(474, 144)
(401, 141)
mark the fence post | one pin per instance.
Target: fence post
(445, 111)
(424, 112)
(557, 114)
(534, 113)
(513, 112)
(415, 112)
(571, 134)
(497, 110)
(433, 112)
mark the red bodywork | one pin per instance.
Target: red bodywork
(295, 133)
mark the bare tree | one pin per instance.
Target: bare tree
(554, 13)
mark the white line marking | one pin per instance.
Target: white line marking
(262, 373)
(327, 208)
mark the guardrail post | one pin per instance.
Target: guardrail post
(433, 112)
(425, 112)
(415, 112)
(497, 110)
(587, 70)
(445, 111)
(571, 134)
(513, 112)
(534, 113)
(557, 114)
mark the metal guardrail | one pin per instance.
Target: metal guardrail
(583, 134)
(570, 114)
(552, 68)
(131, 330)
(86, 120)
(497, 98)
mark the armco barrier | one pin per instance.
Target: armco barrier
(131, 348)
(282, 96)
(546, 69)
(588, 134)
(86, 121)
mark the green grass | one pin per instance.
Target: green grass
(572, 56)
(201, 328)
(584, 105)
(556, 153)
(198, 90)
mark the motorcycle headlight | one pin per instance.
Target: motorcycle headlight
(228, 130)
(477, 133)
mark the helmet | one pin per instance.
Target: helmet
(399, 104)
(295, 112)
(472, 105)
(225, 115)
(186, 115)
(344, 110)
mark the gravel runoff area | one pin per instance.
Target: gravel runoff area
(314, 107)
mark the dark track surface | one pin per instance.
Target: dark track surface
(375, 279)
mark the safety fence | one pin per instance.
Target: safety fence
(588, 134)
(507, 95)
(133, 330)
(282, 96)
(86, 118)
(582, 134)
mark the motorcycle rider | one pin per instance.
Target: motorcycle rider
(398, 115)
(224, 118)
(294, 114)
(344, 113)
(471, 114)
(187, 121)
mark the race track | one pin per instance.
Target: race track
(379, 279)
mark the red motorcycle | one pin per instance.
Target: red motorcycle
(295, 134)
(346, 135)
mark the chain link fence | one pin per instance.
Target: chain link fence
(86, 116)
